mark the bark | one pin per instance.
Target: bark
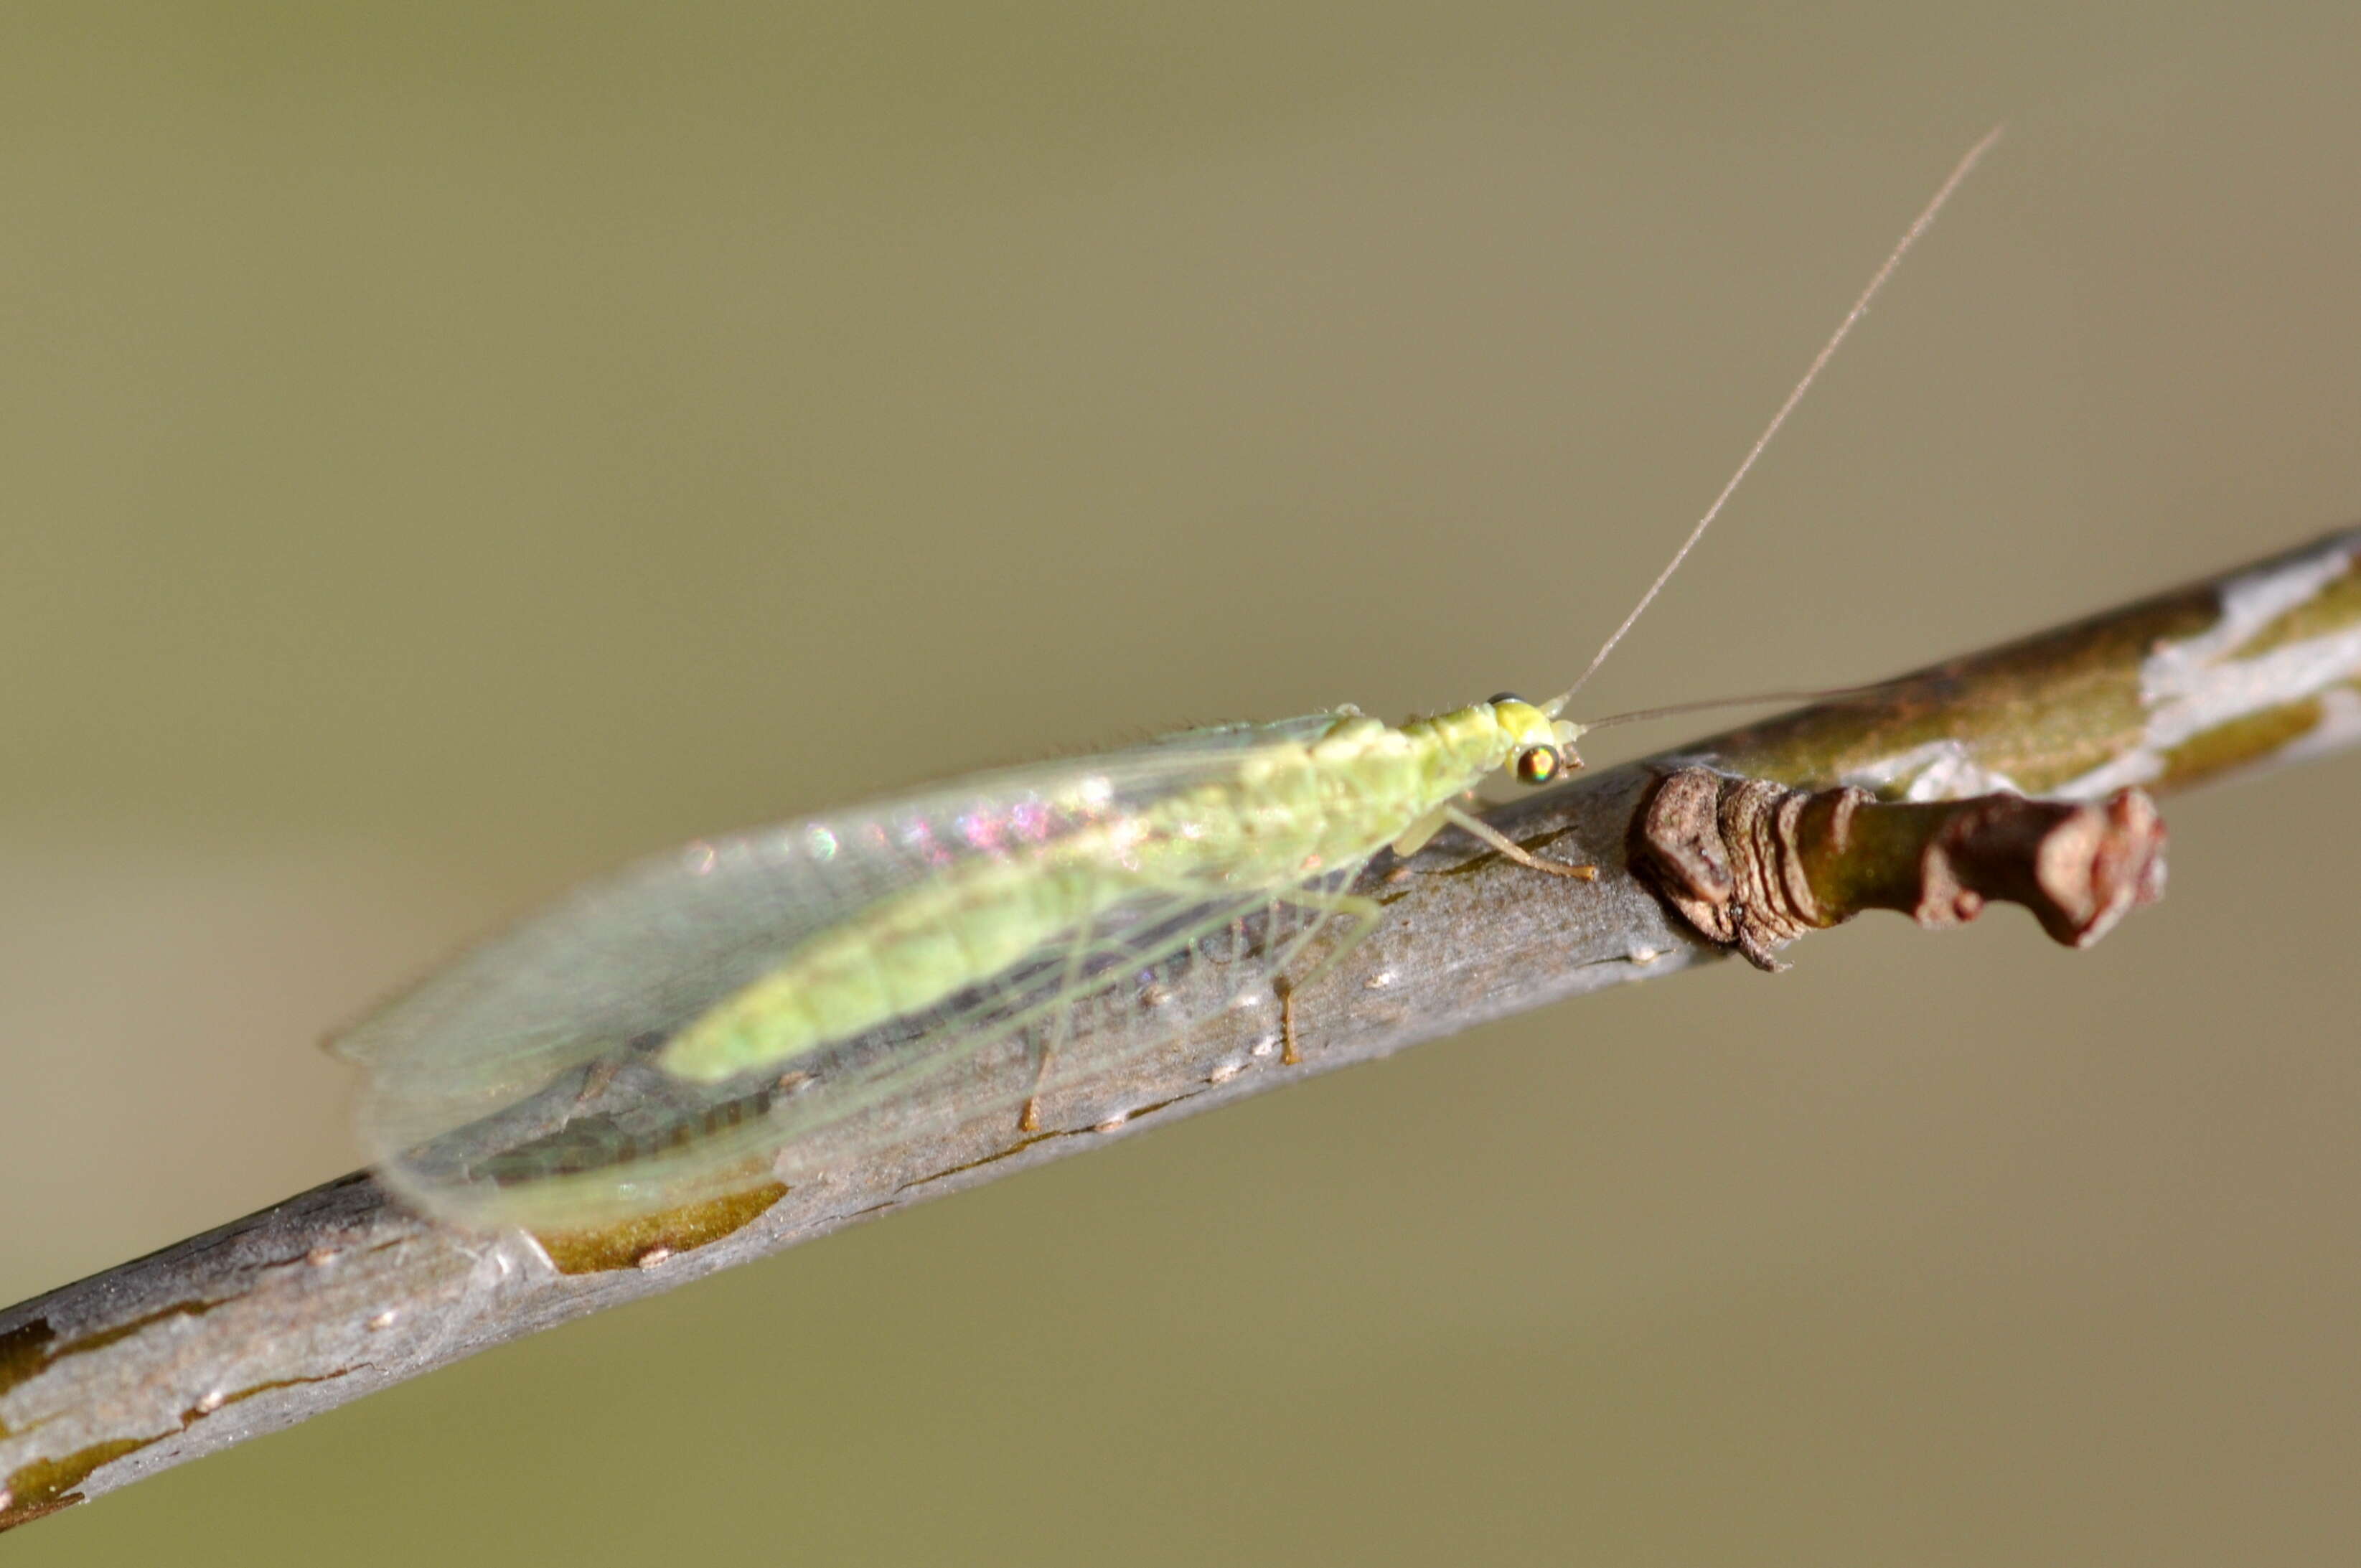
(1909, 797)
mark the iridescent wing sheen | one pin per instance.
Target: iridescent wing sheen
(517, 1085)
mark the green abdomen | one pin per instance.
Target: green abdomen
(900, 956)
(1271, 828)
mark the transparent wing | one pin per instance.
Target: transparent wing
(518, 1084)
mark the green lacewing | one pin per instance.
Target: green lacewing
(750, 1008)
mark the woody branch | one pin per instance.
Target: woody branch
(2019, 773)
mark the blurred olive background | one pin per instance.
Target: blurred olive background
(450, 449)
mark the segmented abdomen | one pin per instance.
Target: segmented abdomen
(1290, 815)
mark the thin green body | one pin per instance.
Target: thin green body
(763, 1002)
(1292, 810)
(923, 959)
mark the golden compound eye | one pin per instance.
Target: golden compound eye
(1538, 765)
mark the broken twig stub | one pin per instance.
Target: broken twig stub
(1752, 865)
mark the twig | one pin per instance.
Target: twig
(339, 1290)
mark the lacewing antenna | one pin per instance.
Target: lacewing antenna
(1706, 705)
(1925, 221)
